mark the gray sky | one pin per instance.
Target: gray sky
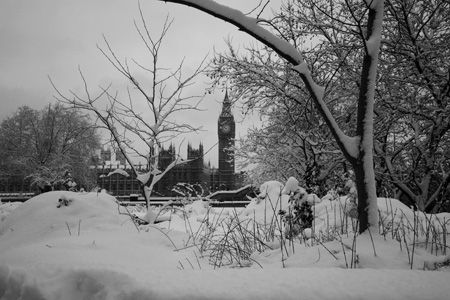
(53, 37)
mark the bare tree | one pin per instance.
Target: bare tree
(357, 148)
(142, 121)
(414, 92)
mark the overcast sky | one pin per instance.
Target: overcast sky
(53, 37)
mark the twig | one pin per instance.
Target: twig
(68, 228)
(198, 262)
(165, 235)
(326, 248)
(414, 237)
(345, 255)
(190, 263)
(354, 255)
(373, 244)
(128, 213)
(318, 251)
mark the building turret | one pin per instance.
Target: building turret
(105, 154)
(227, 132)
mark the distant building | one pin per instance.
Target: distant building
(226, 131)
(195, 171)
(118, 184)
(120, 157)
(105, 154)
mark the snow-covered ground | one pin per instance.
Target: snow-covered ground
(87, 247)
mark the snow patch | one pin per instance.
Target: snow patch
(7, 208)
(313, 199)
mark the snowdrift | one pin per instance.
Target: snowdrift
(40, 217)
(7, 208)
(90, 249)
(308, 283)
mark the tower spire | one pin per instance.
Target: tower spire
(226, 132)
(226, 106)
(226, 94)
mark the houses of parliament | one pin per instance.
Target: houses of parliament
(195, 171)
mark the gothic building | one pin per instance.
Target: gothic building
(226, 130)
(195, 171)
(105, 154)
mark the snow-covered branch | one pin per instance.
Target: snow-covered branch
(285, 50)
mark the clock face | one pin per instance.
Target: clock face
(226, 128)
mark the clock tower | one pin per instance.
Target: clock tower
(227, 133)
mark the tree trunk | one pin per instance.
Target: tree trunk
(366, 196)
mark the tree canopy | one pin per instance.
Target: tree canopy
(411, 119)
(46, 145)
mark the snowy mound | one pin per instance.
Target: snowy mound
(394, 214)
(334, 215)
(7, 208)
(53, 214)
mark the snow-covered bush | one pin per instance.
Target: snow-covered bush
(230, 238)
(235, 237)
(299, 217)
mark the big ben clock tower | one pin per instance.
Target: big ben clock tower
(227, 133)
